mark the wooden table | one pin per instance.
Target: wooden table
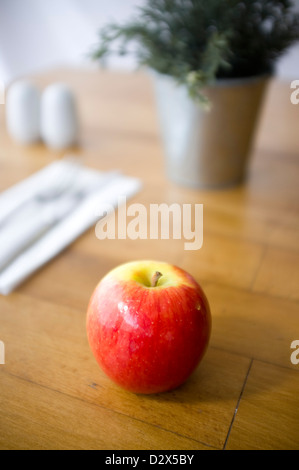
(245, 394)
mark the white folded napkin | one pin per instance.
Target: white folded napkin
(106, 189)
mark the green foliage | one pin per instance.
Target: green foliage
(199, 41)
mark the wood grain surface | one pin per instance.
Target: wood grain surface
(245, 393)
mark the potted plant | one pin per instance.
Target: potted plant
(212, 61)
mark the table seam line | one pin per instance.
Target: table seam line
(238, 403)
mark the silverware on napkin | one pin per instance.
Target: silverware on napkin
(44, 186)
(33, 219)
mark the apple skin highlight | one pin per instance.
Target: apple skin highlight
(148, 339)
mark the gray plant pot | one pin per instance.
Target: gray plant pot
(209, 149)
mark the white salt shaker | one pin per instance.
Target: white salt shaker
(23, 112)
(59, 119)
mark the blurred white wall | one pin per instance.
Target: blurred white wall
(40, 34)
(288, 66)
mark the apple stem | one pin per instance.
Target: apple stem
(155, 278)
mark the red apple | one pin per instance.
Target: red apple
(148, 326)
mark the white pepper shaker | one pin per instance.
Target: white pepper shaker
(59, 117)
(23, 112)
